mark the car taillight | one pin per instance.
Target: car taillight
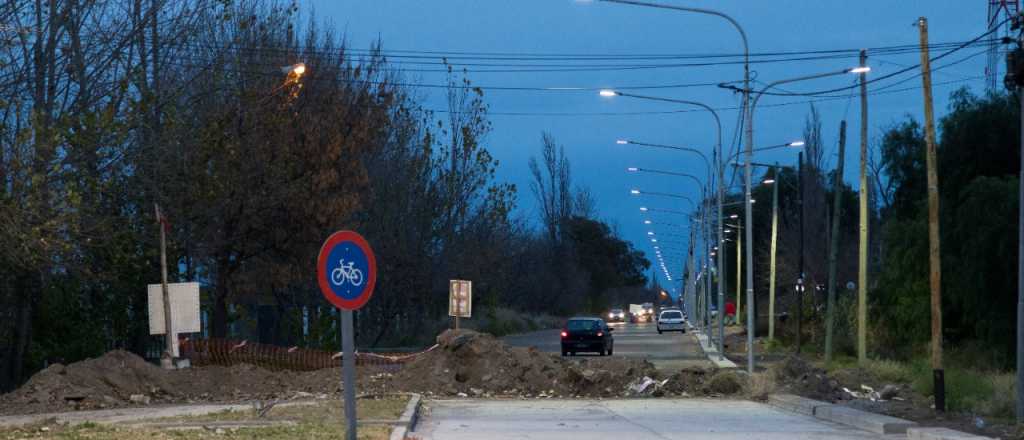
(599, 334)
(565, 334)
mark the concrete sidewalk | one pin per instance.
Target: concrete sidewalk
(634, 419)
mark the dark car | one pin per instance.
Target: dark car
(587, 335)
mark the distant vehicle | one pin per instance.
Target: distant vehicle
(671, 321)
(616, 315)
(587, 335)
(641, 312)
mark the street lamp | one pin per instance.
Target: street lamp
(746, 100)
(296, 70)
(747, 189)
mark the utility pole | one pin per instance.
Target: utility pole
(833, 252)
(800, 280)
(1015, 81)
(862, 253)
(935, 262)
(771, 263)
(167, 360)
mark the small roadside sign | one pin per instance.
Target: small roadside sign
(460, 298)
(346, 271)
(184, 299)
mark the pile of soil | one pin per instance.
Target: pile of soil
(477, 364)
(119, 379)
(797, 376)
(465, 363)
(696, 381)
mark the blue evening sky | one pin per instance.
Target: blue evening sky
(575, 27)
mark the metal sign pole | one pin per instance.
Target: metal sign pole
(348, 373)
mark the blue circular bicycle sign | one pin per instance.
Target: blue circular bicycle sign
(346, 270)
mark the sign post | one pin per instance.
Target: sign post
(346, 271)
(460, 300)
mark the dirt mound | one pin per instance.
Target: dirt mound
(477, 364)
(119, 379)
(695, 381)
(108, 380)
(801, 378)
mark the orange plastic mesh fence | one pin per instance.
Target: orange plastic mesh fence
(226, 353)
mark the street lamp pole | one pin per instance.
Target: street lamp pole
(749, 207)
(746, 110)
(720, 195)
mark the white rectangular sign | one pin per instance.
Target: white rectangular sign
(184, 308)
(460, 298)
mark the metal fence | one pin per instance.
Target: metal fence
(226, 352)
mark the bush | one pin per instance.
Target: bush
(724, 382)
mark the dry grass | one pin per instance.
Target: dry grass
(1003, 400)
(760, 385)
(322, 421)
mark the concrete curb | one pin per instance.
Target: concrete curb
(407, 422)
(793, 403)
(867, 421)
(877, 423)
(711, 352)
(941, 434)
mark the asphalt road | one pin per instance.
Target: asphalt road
(635, 419)
(668, 351)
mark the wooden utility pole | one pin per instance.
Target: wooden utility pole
(833, 252)
(167, 360)
(935, 262)
(771, 263)
(862, 252)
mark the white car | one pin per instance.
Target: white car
(671, 321)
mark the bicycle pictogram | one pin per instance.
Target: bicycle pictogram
(347, 272)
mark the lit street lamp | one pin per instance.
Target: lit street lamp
(747, 189)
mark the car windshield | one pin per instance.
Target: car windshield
(582, 324)
(616, 311)
(671, 315)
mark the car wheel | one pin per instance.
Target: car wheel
(659, 331)
(610, 350)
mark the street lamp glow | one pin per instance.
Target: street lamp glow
(647, 222)
(768, 181)
(734, 216)
(654, 240)
(650, 233)
(752, 201)
(608, 93)
(295, 69)
(632, 169)
(643, 208)
(863, 69)
(634, 191)
(622, 142)
(795, 144)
